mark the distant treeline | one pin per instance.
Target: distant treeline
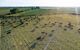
(14, 10)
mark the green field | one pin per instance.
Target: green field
(39, 29)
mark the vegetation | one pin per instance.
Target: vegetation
(39, 29)
(13, 11)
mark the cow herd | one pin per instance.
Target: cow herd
(10, 23)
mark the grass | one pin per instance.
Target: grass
(21, 37)
(30, 12)
(4, 11)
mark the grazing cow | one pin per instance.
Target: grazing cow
(9, 31)
(42, 32)
(33, 45)
(53, 24)
(36, 26)
(45, 24)
(65, 29)
(50, 35)
(52, 30)
(39, 38)
(79, 30)
(60, 24)
(70, 26)
(2, 23)
(32, 30)
(21, 21)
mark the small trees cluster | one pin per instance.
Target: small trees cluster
(13, 11)
(32, 8)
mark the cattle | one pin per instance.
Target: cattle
(36, 26)
(69, 26)
(50, 35)
(53, 24)
(33, 45)
(8, 32)
(32, 30)
(42, 32)
(65, 29)
(45, 24)
(52, 30)
(60, 24)
(26, 23)
(39, 38)
(79, 30)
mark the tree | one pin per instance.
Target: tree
(13, 11)
(37, 7)
(32, 8)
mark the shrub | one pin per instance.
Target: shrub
(13, 11)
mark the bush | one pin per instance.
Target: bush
(13, 11)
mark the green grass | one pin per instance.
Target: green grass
(26, 11)
(30, 12)
(4, 11)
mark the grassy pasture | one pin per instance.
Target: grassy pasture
(45, 32)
